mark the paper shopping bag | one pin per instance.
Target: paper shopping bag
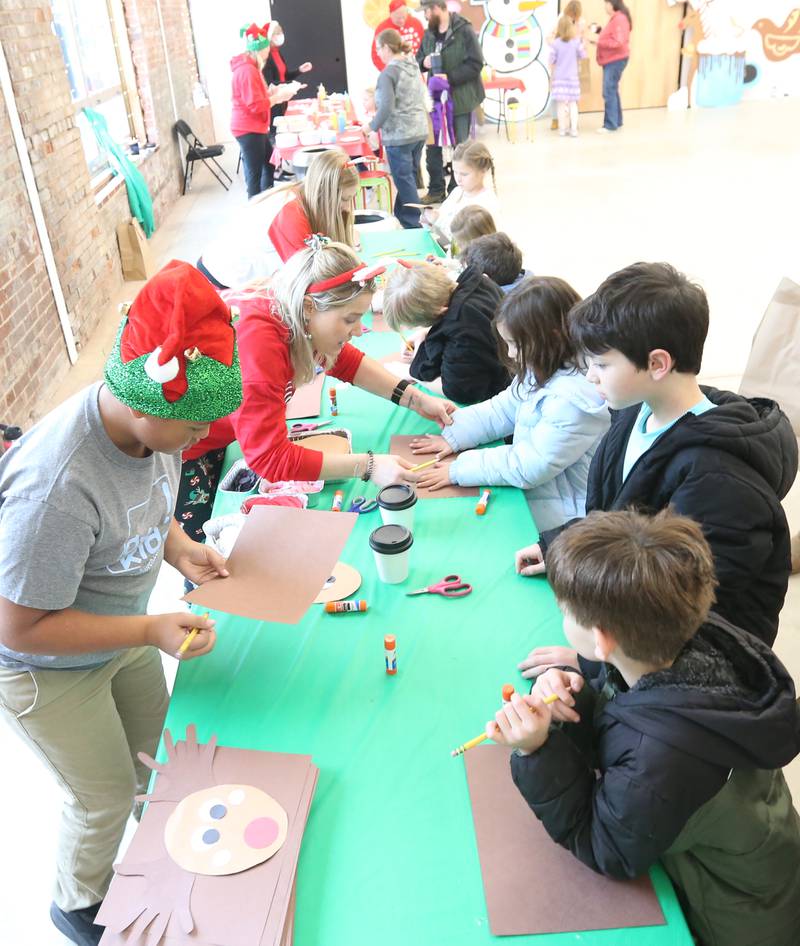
(134, 253)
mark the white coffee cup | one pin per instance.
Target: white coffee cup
(390, 545)
(396, 504)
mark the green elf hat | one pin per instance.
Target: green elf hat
(257, 37)
(175, 355)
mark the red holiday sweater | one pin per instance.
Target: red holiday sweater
(289, 230)
(249, 97)
(260, 423)
(613, 43)
(412, 32)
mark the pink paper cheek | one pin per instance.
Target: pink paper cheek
(261, 832)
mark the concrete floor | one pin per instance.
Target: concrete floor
(712, 191)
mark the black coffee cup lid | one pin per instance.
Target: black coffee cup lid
(398, 496)
(391, 540)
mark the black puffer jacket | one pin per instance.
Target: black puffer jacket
(689, 763)
(461, 346)
(728, 469)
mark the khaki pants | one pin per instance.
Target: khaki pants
(87, 727)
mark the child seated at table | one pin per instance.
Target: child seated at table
(499, 258)
(459, 345)
(472, 166)
(670, 749)
(554, 414)
(276, 224)
(469, 223)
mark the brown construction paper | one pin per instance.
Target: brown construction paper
(344, 580)
(243, 909)
(280, 561)
(400, 445)
(533, 885)
(326, 443)
(306, 400)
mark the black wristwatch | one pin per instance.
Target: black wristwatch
(398, 390)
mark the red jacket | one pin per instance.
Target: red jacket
(260, 423)
(613, 43)
(250, 97)
(289, 230)
(412, 32)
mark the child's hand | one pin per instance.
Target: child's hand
(521, 724)
(435, 477)
(168, 632)
(407, 354)
(431, 443)
(530, 561)
(563, 684)
(200, 563)
(543, 658)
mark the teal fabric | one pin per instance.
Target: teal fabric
(389, 853)
(141, 203)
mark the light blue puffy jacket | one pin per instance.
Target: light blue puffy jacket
(556, 431)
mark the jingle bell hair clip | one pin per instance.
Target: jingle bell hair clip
(360, 275)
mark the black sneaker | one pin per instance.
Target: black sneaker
(432, 199)
(78, 925)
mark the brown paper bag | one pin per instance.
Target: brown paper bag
(134, 253)
(773, 368)
(585, 76)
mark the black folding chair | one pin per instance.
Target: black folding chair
(197, 151)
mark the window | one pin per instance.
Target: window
(97, 56)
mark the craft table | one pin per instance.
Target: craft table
(385, 246)
(504, 85)
(389, 854)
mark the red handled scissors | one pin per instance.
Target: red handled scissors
(303, 428)
(451, 586)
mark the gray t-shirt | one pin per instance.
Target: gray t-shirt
(82, 524)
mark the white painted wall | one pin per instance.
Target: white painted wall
(361, 73)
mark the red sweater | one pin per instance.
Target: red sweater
(267, 380)
(250, 97)
(289, 229)
(613, 43)
(412, 32)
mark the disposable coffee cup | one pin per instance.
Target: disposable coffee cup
(396, 504)
(390, 545)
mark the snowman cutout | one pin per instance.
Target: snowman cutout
(512, 42)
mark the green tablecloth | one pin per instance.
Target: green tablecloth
(382, 246)
(389, 854)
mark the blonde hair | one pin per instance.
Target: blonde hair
(291, 289)
(415, 295)
(476, 155)
(320, 196)
(469, 223)
(394, 41)
(565, 30)
(574, 10)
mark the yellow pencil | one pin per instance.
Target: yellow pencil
(422, 466)
(409, 345)
(483, 737)
(188, 640)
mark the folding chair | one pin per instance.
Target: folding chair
(197, 151)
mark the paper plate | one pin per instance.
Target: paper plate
(349, 139)
(342, 583)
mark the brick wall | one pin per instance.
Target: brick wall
(82, 233)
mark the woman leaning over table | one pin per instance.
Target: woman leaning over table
(304, 319)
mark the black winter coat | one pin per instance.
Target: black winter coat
(727, 469)
(462, 61)
(688, 763)
(461, 346)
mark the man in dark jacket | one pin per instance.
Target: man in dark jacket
(673, 751)
(460, 346)
(450, 47)
(724, 460)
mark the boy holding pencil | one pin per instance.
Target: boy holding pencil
(86, 518)
(671, 748)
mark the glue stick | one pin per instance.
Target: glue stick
(483, 502)
(338, 498)
(340, 607)
(390, 652)
(508, 691)
(334, 405)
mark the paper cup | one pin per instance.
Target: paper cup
(390, 545)
(396, 504)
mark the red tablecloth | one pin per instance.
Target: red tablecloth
(356, 149)
(507, 83)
